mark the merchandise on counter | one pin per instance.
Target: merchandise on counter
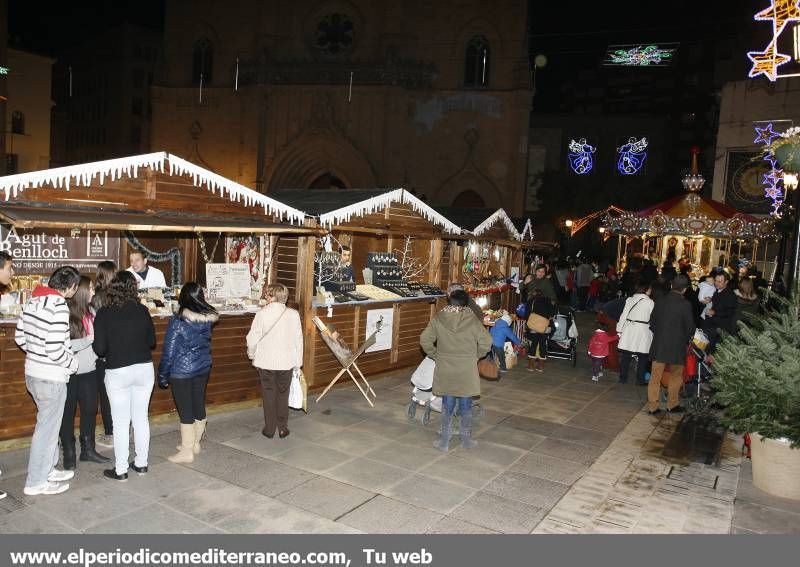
(400, 289)
(342, 287)
(374, 292)
(386, 270)
(355, 296)
(426, 289)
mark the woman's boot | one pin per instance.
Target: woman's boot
(466, 430)
(87, 450)
(443, 442)
(68, 451)
(199, 431)
(531, 364)
(186, 452)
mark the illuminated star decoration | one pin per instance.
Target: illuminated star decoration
(580, 156)
(780, 12)
(632, 156)
(767, 62)
(766, 135)
(773, 180)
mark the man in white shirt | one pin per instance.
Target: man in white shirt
(146, 276)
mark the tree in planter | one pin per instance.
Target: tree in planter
(757, 374)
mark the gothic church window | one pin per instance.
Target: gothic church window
(476, 62)
(17, 122)
(334, 35)
(203, 62)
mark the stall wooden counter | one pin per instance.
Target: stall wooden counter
(233, 378)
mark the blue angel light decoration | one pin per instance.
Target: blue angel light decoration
(632, 156)
(581, 156)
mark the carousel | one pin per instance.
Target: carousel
(692, 229)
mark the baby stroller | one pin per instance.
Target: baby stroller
(422, 394)
(699, 388)
(563, 340)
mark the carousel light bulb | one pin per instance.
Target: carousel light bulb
(790, 180)
(602, 229)
(693, 182)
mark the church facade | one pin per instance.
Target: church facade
(431, 96)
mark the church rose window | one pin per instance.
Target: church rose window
(334, 34)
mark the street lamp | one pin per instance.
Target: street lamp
(568, 223)
(602, 230)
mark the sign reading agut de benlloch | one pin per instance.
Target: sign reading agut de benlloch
(40, 251)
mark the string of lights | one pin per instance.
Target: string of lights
(773, 181)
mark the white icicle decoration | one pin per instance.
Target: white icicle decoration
(527, 229)
(501, 215)
(84, 175)
(380, 203)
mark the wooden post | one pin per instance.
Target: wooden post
(306, 246)
(395, 333)
(435, 266)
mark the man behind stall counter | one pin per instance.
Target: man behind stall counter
(146, 276)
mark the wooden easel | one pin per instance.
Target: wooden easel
(348, 362)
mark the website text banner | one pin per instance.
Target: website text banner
(394, 551)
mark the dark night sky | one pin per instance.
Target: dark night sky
(51, 27)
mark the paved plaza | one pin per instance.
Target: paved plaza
(557, 453)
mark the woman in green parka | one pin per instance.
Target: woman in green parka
(455, 339)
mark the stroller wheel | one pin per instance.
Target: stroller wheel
(426, 417)
(411, 410)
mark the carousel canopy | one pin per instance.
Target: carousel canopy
(690, 214)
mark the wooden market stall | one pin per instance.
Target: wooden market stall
(490, 256)
(396, 240)
(158, 202)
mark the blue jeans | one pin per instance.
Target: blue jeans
(49, 397)
(449, 404)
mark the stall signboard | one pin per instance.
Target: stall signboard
(383, 340)
(228, 281)
(41, 251)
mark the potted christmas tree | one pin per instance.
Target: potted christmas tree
(757, 379)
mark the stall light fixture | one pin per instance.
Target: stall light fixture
(473, 247)
(602, 229)
(789, 180)
(497, 253)
(568, 223)
(482, 301)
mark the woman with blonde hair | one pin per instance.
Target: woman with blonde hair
(747, 301)
(275, 345)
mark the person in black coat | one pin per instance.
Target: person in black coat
(722, 314)
(672, 323)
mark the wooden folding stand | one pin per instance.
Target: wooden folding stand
(347, 359)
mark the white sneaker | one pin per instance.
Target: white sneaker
(595, 378)
(2, 494)
(600, 375)
(59, 476)
(46, 488)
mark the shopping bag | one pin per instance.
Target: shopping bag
(488, 368)
(298, 390)
(700, 340)
(537, 323)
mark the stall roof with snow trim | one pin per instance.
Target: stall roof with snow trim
(488, 224)
(156, 191)
(368, 210)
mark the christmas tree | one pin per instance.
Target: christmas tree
(757, 373)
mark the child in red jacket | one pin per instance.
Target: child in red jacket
(598, 350)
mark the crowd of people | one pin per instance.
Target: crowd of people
(91, 341)
(648, 315)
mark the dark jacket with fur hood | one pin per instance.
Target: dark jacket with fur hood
(187, 346)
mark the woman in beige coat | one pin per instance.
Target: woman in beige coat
(275, 345)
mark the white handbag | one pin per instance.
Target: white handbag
(297, 395)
